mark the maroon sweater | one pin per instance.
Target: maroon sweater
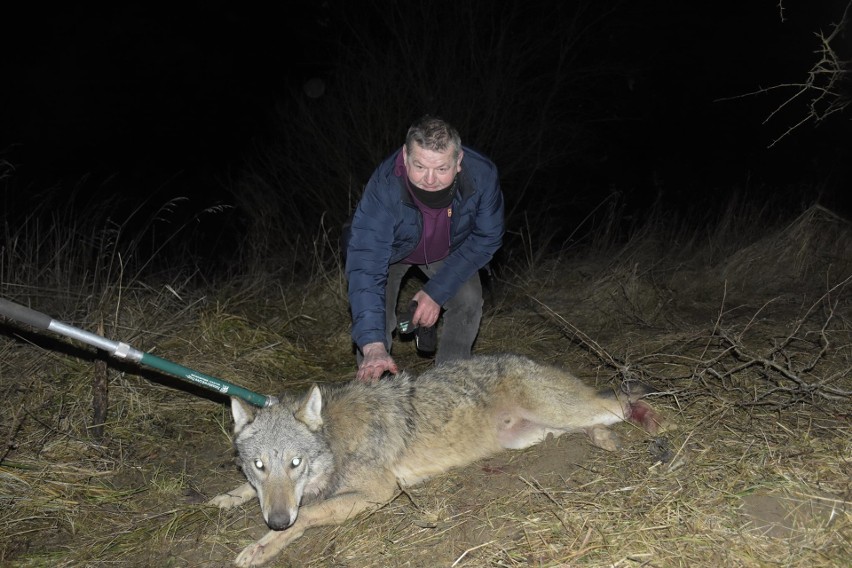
(435, 239)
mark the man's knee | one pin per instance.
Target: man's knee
(468, 298)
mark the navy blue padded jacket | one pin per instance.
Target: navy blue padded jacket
(386, 227)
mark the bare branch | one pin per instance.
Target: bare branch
(794, 369)
(822, 85)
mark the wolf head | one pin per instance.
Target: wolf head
(283, 454)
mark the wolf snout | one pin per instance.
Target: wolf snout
(280, 520)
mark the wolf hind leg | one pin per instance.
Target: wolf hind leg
(638, 413)
(603, 438)
(234, 497)
(643, 415)
(573, 407)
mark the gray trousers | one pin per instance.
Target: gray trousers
(460, 318)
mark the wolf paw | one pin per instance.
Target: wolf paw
(234, 497)
(266, 548)
(604, 438)
(226, 501)
(253, 555)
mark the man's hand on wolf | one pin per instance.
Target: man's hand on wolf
(375, 363)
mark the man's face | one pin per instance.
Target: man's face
(429, 170)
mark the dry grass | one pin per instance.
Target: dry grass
(756, 372)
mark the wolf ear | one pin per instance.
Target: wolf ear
(243, 414)
(310, 411)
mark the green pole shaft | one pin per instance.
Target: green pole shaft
(206, 381)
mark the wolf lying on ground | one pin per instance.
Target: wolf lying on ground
(323, 457)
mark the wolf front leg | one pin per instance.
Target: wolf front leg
(333, 511)
(234, 497)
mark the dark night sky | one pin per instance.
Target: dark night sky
(138, 85)
(141, 90)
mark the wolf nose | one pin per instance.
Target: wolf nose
(280, 521)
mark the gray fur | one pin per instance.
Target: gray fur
(322, 457)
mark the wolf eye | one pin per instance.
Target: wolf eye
(296, 462)
(258, 463)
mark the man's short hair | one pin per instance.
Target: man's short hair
(433, 133)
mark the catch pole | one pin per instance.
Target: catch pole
(125, 352)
